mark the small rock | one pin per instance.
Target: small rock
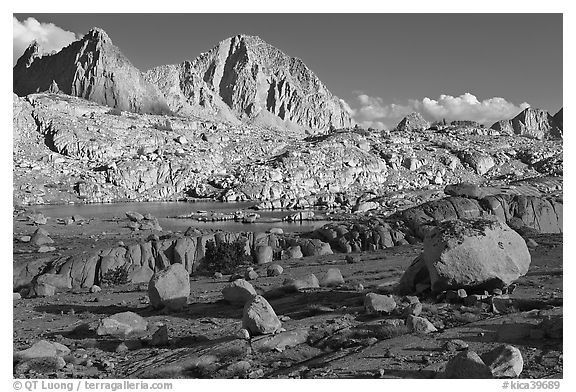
(412, 310)
(531, 243)
(134, 216)
(122, 347)
(250, 274)
(25, 238)
(504, 361)
(243, 334)
(307, 282)
(95, 289)
(274, 270)
(40, 365)
(46, 249)
(16, 296)
(455, 345)
(333, 278)
(353, 259)
(377, 303)
(218, 275)
(122, 324)
(259, 317)
(420, 325)
(160, 337)
(467, 364)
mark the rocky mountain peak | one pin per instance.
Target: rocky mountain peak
(253, 81)
(91, 68)
(97, 34)
(531, 122)
(32, 52)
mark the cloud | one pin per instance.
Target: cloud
(49, 36)
(373, 112)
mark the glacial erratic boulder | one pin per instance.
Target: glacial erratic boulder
(474, 253)
(469, 253)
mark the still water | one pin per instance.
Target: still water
(165, 210)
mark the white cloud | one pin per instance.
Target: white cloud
(49, 36)
(372, 111)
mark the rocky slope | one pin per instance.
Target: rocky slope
(69, 149)
(91, 68)
(256, 81)
(532, 123)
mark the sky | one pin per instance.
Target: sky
(482, 67)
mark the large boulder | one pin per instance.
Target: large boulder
(259, 318)
(169, 287)
(469, 253)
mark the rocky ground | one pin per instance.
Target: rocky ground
(328, 332)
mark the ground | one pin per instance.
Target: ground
(342, 340)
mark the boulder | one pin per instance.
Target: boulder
(41, 237)
(420, 325)
(170, 288)
(134, 216)
(478, 253)
(377, 303)
(250, 274)
(314, 247)
(274, 270)
(238, 292)
(259, 318)
(264, 254)
(504, 361)
(122, 325)
(42, 349)
(333, 277)
(467, 364)
(309, 281)
(293, 252)
(47, 285)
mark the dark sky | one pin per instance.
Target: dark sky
(392, 56)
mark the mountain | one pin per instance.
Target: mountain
(254, 80)
(91, 68)
(559, 118)
(533, 123)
